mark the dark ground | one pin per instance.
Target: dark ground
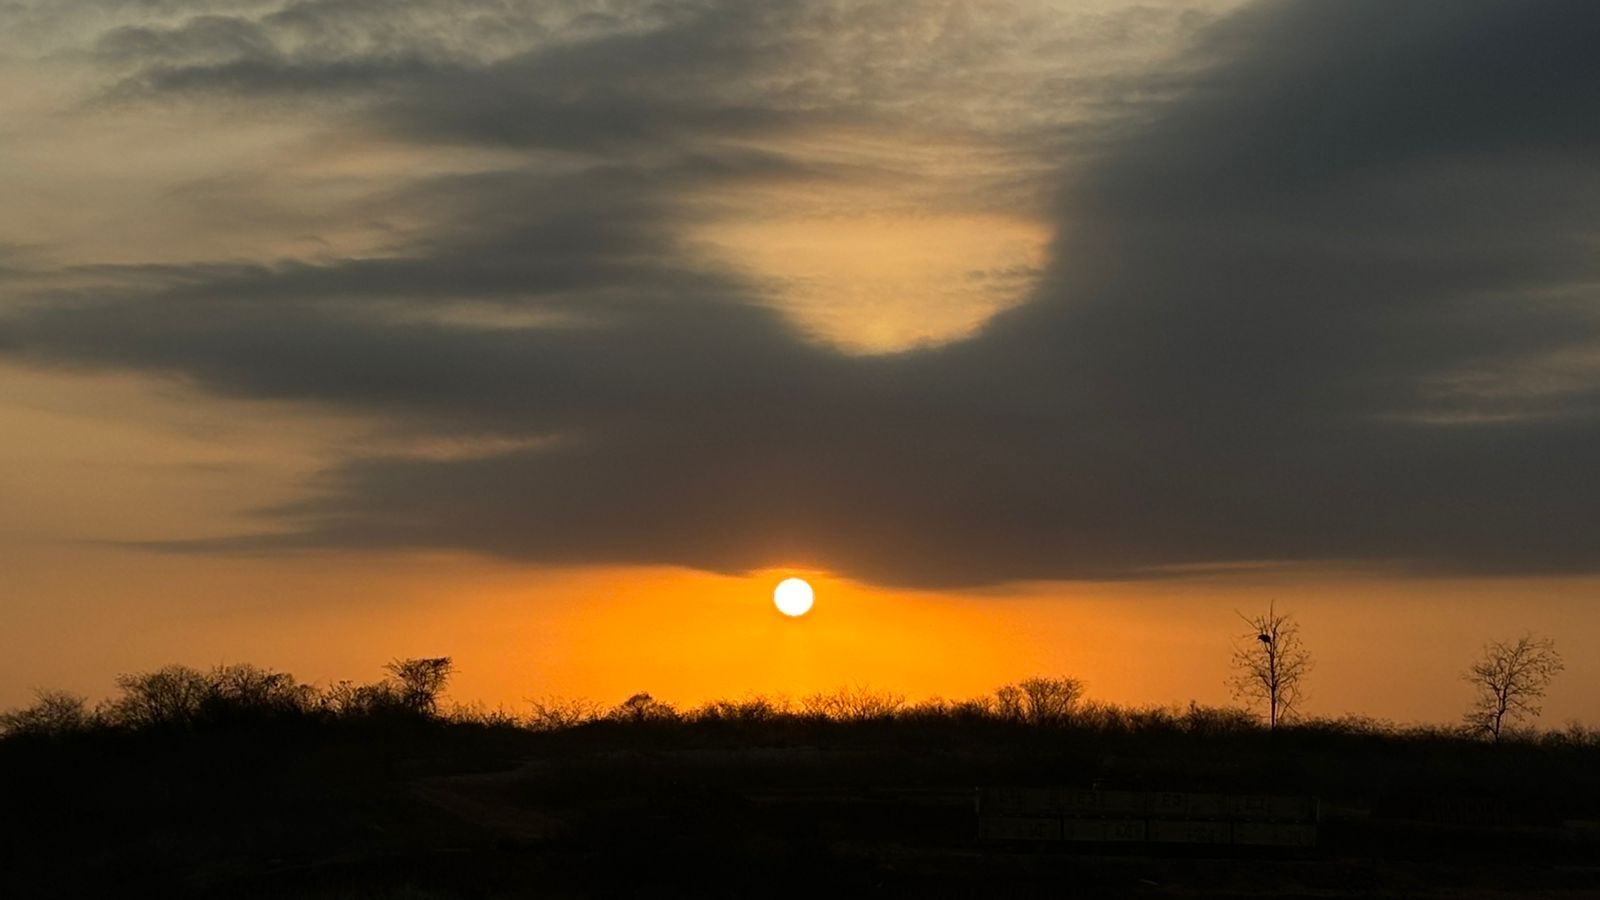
(432, 810)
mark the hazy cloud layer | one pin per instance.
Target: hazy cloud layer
(1324, 288)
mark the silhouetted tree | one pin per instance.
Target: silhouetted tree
(242, 691)
(1270, 664)
(54, 713)
(347, 699)
(171, 695)
(179, 695)
(420, 681)
(1038, 700)
(1050, 700)
(1509, 680)
(642, 707)
(1008, 702)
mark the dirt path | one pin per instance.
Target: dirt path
(488, 800)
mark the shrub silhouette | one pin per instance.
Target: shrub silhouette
(555, 714)
(420, 681)
(179, 696)
(348, 700)
(227, 696)
(53, 714)
(377, 700)
(483, 716)
(243, 692)
(642, 707)
(1038, 701)
(746, 711)
(169, 696)
(857, 704)
(332, 776)
(1218, 721)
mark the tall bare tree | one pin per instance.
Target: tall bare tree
(1270, 664)
(1509, 680)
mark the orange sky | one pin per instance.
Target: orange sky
(1383, 647)
(899, 193)
(102, 459)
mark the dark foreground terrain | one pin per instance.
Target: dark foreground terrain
(424, 808)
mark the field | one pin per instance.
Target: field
(765, 803)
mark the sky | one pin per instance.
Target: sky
(1044, 337)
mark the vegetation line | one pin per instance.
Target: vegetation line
(180, 698)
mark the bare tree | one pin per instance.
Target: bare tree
(1270, 664)
(242, 691)
(169, 696)
(421, 681)
(1039, 701)
(1510, 679)
(54, 713)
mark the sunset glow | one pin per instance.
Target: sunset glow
(793, 597)
(475, 448)
(1039, 337)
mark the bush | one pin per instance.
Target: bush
(933, 709)
(411, 691)
(1038, 701)
(178, 696)
(642, 707)
(1109, 719)
(856, 704)
(743, 712)
(229, 695)
(1218, 720)
(348, 700)
(53, 714)
(555, 714)
(1574, 735)
(169, 696)
(420, 681)
(236, 692)
(974, 709)
(478, 714)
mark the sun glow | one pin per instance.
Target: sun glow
(793, 597)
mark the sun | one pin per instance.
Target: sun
(792, 596)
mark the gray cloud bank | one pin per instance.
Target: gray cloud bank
(1337, 299)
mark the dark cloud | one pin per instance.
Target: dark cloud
(202, 37)
(644, 73)
(1336, 302)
